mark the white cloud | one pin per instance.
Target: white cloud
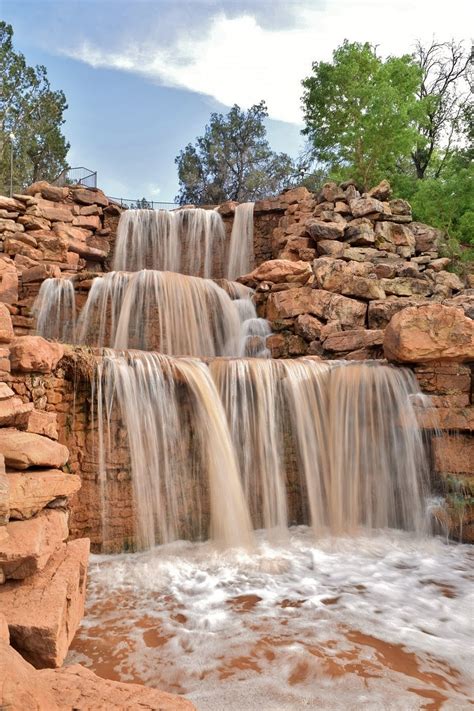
(238, 61)
(154, 190)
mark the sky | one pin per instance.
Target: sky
(143, 76)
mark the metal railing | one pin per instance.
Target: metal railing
(144, 204)
(77, 176)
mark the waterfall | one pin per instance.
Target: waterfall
(54, 310)
(359, 450)
(178, 315)
(188, 241)
(241, 252)
(184, 473)
(335, 445)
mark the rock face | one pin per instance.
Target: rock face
(44, 610)
(30, 492)
(424, 333)
(31, 543)
(24, 449)
(35, 354)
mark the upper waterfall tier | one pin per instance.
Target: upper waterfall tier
(149, 310)
(188, 241)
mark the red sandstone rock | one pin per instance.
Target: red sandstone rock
(10, 204)
(280, 270)
(465, 301)
(44, 610)
(90, 196)
(390, 235)
(368, 206)
(24, 449)
(346, 341)
(8, 281)
(30, 492)
(14, 412)
(31, 543)
(40, 272)
(360, 232)
(308, 327)
(429, 332)
(454, 454)
(21, 687)
(4, 503)
(47, 191)
(6, 327)
(35, 354)
(330, 248)
(330, 192)
(50, 210)
(317, 302)
(43, 423)
(427, 239)
(407, 286)
(381, 311)
(88, 222)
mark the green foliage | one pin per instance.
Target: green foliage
(232, 161)
(33, 113)
(359, 112)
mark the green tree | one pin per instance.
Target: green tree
(359, 112)
(232, 160)
(31, 116)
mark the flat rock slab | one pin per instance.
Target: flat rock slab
(30, 544)
(44, 611)
(25, 449)
(32, 491)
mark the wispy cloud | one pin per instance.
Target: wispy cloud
(238, 59)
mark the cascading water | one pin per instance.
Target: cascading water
(351, 428)
(54, 310)
(188, 241)
(179, 315)
(241, 252)
(183, 466)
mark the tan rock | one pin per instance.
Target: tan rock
(449, 280)
(5, 391)
(407, 286)
(4, 634)
(30, 492)
(34, 354)
(40, 272)
(8, 281)
(429, 332)
(427, 239)
(43, 423)
(465, 301)
(325, 230)
(390, 235)
(330, 248)
(380, 311)
(31, 543)
(21, 687)
(330, 192)
(346, 341)
(360, 233)
(33, 222)
(88, 222)
(24, 449)
(438, 265)
(89, 196)
(44, 611)
(6, 326)
(47, 191)
(4, 501)
(309, 327)
(382, 191)
(347, 278)
(24, 688)
(10, 204)
(317, 302)
(278, 271)
(368, 206)
(51, 211)
(400, 207)
(14, 412)
(7, 225)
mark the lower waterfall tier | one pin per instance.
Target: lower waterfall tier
(218, 450)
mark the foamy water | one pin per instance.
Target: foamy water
(380, 621)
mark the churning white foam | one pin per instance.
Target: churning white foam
(378, 621)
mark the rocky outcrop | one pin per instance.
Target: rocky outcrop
(72, 688)
(429, 332)
(44, 610)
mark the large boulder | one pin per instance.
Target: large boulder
(34, 354)
(44, 610)
(317, 302)
(31, 543)
(318, 229)
(278, 271)
(25, 449)
(429, 332)
(348, 278)
(30, 492)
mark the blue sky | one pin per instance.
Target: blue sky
(142, 76)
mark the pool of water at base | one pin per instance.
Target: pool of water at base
(381, 620)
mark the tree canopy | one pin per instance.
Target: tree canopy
(359, 111)
(232, 160)
(31, 116)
